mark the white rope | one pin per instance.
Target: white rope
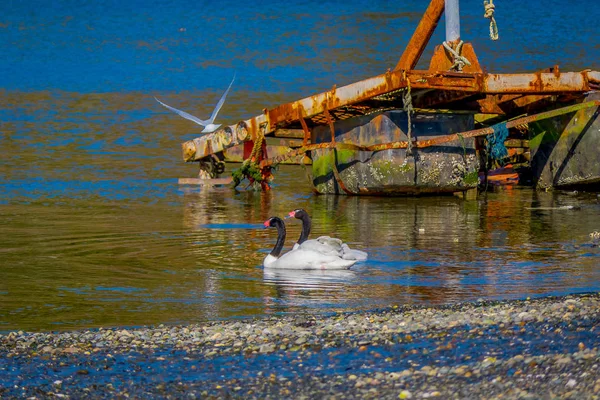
(408, 108)
(489, 13)
(459, 61)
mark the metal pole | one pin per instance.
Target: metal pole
(452, 13)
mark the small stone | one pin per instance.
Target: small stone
(267, 348)
(564, 360)
(571, 383)
(300, 340)
(70, 350)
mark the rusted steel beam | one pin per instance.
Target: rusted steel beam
(593, 76)
(289, 133)
(391, 81)
(435, 98)
(421, 36)
(222, 139)
(538, 82)
(486, 131)
(431, 142)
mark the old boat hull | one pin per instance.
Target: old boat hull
(452, 167)
(565, 150)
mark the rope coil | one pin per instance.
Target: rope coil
(489, 13)
(251, 168)
(408, 108)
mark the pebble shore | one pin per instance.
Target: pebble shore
(546, 348)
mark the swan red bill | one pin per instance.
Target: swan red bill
(267, 223)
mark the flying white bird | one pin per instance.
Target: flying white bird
(209, 125)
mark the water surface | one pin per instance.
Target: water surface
(95, 231)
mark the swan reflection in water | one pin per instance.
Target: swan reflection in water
(309, 279)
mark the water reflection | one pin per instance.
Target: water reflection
(96, 231)
(293, 289)
(195, 254)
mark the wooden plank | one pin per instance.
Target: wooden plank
(206, 182)
(516, 143)
(289, 133)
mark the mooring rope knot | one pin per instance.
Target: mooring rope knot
(459, 60)
(489, 13)
(250, 167)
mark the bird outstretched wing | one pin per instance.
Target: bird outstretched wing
(220, 103)
(186, 115)
(197, 120)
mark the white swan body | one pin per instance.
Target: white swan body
(301, 258)
(324, 244)
(209, 125)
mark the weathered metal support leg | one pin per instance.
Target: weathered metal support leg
(421, 36)
(307, 133)
(211, 168)
(336, 173)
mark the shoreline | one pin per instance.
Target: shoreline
(545, 347)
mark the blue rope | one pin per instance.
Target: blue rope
(495, 141)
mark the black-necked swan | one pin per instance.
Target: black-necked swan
(324, 244)
(300, 258)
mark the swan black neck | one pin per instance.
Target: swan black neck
(306, 225)
(278, 223)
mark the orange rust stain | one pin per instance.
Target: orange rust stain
(253, 129)
(283, 114)
(377, 121)
(536, 84)
(189, 150)
(315, 102)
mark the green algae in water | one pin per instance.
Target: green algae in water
(471, 178)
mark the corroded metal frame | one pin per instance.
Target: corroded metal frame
(474, 89)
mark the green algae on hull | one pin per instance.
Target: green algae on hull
(437, 169)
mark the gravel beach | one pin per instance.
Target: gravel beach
(546, 348)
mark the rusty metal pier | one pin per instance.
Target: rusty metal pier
(454, 82)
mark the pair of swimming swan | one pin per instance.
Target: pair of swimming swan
(322, 253)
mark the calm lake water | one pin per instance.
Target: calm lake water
(95, 231)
